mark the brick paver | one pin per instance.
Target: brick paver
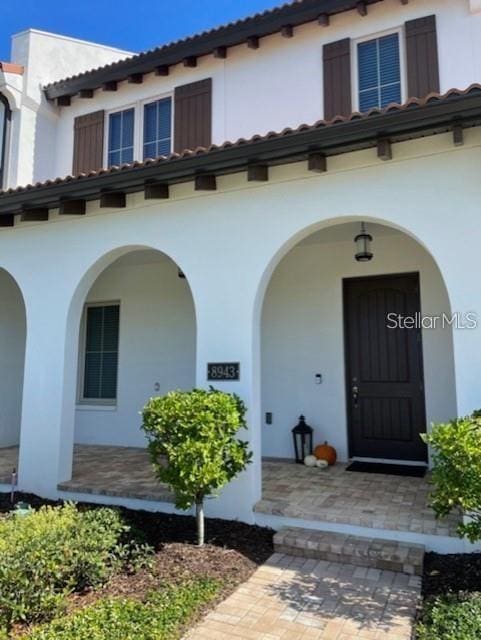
(291, 598)
(372, 500)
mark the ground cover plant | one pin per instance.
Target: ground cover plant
(172, 586)
(162, 615)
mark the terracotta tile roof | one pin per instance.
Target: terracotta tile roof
(337, 122)
(10, 67)
(233, 33)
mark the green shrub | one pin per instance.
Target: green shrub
(51, 552)
(457, 471)
(160, 617)
(451, 618)
(193, 446)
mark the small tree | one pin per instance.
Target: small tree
(193, 446)
(457, 471)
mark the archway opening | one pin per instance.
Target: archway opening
(12, 360)
(308, 349)
(136, 340)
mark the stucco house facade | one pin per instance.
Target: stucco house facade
(197, 205)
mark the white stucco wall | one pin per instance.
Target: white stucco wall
(156, 344)
(302, 334)
(12, 355)
(228, 243)
(46, 57)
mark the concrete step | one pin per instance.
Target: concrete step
(374, 553)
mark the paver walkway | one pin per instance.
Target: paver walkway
(291, 598)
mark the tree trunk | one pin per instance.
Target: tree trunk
(199, 514)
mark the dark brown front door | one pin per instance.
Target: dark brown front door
(385, 390)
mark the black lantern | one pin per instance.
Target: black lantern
(363, 245)
(302, 435)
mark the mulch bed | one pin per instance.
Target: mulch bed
(453, 573)
(232, 552)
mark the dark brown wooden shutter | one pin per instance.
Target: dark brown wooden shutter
(193, 115)
(337, 79)
(88, 146)
(422, 57)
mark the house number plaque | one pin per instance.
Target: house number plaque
(223, 371)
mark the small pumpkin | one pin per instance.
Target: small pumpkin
(322, 464)
(310, 461)
(326, 452)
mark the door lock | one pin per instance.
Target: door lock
(355, 394)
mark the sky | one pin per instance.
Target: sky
(129, 25)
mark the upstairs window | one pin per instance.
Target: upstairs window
(4, 120)
(101, 351)
(379, 72)
(157, 128)
(121, 137)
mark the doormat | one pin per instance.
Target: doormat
(388, 469)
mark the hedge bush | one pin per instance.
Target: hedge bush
(47, 554)
(161, 617)
(452, 617)
(456, 453)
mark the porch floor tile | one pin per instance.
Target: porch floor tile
(115, 471)
(8, 462)
(359, 499)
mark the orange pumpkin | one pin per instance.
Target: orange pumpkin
(326, 452)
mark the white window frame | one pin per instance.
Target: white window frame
(138, 107)
(402, 62)
(95, 402)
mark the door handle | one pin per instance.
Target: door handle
(355, 395)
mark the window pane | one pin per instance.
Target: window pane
(115, 131)
(164, 116)
(92, 375)
(150, 150)
(109, 376)
(101, 352)
(368, 100)
(157, 128)
(127, 155)
(150, 120)
(121, 137)
(163, 148)
(94, 328)
(128, 128)
(389, 66)
(111, 328)
(368, 65)
(391, 93)
(114, 158)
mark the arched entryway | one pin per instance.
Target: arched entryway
(308, 348)
(12, 359)
(307, 354)
(135, 338)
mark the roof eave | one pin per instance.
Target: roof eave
(231, 35)
(399, 124)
